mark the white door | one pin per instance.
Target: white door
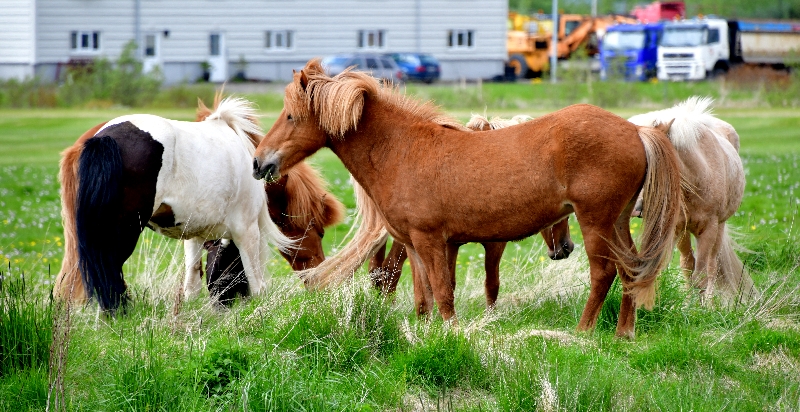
(217, 58)
(152, 52)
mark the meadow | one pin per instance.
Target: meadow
(351, 349)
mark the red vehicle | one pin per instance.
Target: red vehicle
(660, 10)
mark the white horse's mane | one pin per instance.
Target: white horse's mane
(241, 116)
(691, 118)
(477, 121)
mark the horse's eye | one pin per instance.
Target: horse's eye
(321, 233)
(289, 117)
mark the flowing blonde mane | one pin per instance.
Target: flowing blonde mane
(239, 114)
(338, 101)
(692, 117)
(305, 190)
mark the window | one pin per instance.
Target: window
(461, 39)
(371, 39)
(713, 36)
(213, 44)
(150, 45)
(278, 39)
(85, 41)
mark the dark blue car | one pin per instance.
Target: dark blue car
(630, 51)
(415, 66)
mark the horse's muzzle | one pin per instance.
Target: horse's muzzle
(267, 171)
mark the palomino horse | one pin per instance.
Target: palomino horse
(185, 180)
(708, 151)
(434, 185)
(385, 270)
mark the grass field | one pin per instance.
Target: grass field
(349, 350)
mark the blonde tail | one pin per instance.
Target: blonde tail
(367, 238)
(662, 203)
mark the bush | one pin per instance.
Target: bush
(123, 83)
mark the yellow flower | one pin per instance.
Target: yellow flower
(33, 243)
(47, 241)
(753, 227)
(44, 260)
(635, 225)
(5, 221)
(541, 258)
(58, 243)
(57, 238)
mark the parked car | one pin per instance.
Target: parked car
(415, 66)
(381, 67)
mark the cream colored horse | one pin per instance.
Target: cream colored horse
(712, 191)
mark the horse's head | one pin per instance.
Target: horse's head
(559, 243)
(302, 208)
(316, 107)
(296, 134)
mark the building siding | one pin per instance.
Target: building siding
(319, 28)
(17, 38)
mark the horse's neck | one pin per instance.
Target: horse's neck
(371, 152)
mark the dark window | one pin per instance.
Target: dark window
(713, 36)
(214, 45)
(372, 63)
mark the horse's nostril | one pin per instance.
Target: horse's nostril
(255, 164)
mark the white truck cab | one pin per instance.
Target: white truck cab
(693, 49)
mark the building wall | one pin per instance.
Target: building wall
(17, 35)
(320, 28)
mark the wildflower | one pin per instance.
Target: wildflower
(541, 258)
(753, 227)
(59, 244)
(33, 243)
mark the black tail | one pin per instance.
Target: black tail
(99, 204)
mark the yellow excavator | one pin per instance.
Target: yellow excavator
(529, 37)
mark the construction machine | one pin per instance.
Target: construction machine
(529, 37)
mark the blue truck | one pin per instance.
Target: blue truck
(630, 51)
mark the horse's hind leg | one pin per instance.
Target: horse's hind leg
(392, 267)
(626, 323)
(494, 253)
(708, 244)
(192, 252)
(687, 256)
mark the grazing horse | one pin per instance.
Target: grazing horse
(434, 184)
(385, 270)
(185, 180)
(710, 164)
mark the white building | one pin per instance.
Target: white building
(42, 37)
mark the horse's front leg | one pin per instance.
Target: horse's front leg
(708, 244)
(192, 282)
(434, 255)
(249, 244)
(494, 253)
(423, 294)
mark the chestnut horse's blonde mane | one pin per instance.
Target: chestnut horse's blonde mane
(478, 122)
(338, 101)
(306, 192)
(239, 114)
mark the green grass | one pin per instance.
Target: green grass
(349, 349)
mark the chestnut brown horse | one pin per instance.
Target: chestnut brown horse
(710, 164)
(385, 270)
(299, 204)
(434, 185)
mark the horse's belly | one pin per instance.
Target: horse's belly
(184, 231)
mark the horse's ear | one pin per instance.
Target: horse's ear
(303, 79)
(664, 127)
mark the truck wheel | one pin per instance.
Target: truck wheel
(517, 61)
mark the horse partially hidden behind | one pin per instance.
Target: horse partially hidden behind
(185, 180)
(385, 270)
(302, 207)
(710, 164)
(435, 184)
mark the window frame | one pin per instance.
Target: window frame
(363, 37)
(270, 36)
(93, 42)
(455, 35)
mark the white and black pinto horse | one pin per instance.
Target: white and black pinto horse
(184, 180)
